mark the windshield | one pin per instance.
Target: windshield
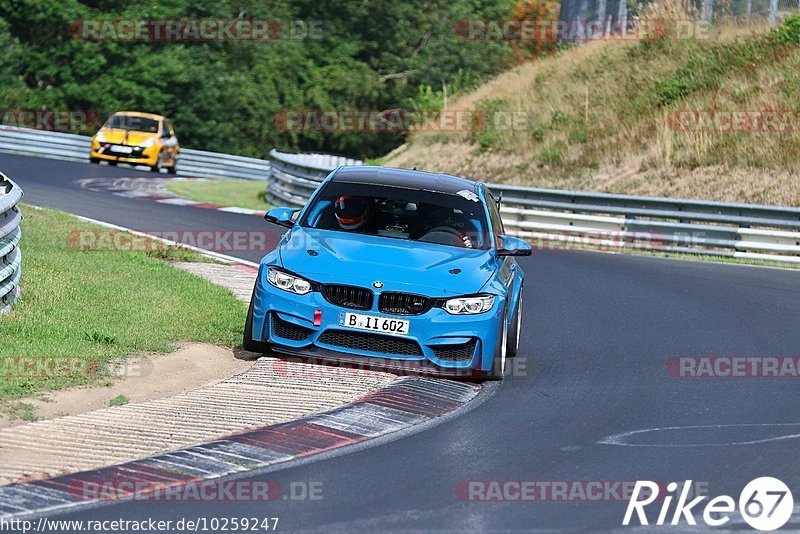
(127, 122)
(399, 213)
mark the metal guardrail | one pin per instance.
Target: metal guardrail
(74, 147)
(554, 219)
(10, 254)
(558, 219)
(549, 218)
(295, 176)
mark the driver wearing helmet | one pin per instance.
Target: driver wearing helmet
(351, 212)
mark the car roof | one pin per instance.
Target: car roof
(412, 179)
(140, 114)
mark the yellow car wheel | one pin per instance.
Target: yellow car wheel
(156, 167)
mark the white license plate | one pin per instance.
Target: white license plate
(121, 149)
(373, 323)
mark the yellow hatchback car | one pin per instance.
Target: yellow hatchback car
(138, 139)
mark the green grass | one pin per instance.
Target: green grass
(239, 193)
(23, 411)
(178, 253)
(119, 400)
(102, 306)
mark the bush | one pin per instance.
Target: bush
(788, 33)
(483, 130)
(552, 154)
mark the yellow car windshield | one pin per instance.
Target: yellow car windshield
(127, 122)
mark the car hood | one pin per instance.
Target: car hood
(117, 136)
(353, 259)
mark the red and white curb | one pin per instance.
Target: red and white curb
(402, 404)
(153, 189)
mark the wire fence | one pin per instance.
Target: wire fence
(583, 20)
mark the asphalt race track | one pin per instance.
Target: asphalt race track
(598, 332)
(54, 184)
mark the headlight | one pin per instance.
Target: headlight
(148, 142)
(288, 282)
(100, 138)
(469, 305)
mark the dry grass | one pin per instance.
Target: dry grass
(599, 117)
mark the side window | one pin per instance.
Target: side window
(167, 129)
(494, 215)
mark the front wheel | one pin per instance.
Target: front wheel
(500, 353)
(94, 160)
(157, 166)
(513, 345)
(248, 343)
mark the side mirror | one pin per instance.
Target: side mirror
(513, 246)
(282, 216)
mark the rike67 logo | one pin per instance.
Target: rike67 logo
(765, 504)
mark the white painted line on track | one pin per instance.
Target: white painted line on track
(243, 211)
(178, 201)
(208, 253)
(621, 439)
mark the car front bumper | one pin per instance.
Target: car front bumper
(437, 342)
(140, 155)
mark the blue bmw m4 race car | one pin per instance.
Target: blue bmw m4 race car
(396, 269)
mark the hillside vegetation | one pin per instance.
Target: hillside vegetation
(603, 117)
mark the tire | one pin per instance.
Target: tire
(500, 353)
(173, 169)
(94, 160)
(157, 166)
(112, 162)
(248, 343)
(513, 337)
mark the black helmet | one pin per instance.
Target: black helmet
(351, 212)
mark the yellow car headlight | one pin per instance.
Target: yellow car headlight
(148, 142)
